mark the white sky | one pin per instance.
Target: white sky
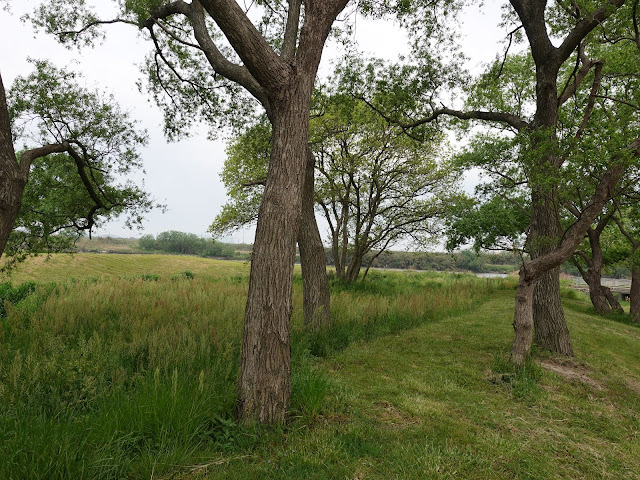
(185, 175)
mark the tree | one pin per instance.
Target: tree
(560, 72)
(593, 258)
(277, 65)
(69, 181)
(375, 185)
(628, 223)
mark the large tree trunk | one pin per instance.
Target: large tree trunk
(264, 389)
(634, 297)
(315, 285)
(12, 179)
(550, 327)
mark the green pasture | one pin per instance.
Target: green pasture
(125, 366)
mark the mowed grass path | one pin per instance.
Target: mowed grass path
(127, 378)
(428, 403)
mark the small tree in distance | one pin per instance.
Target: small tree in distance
(375, 185)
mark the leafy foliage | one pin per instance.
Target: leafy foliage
(185, 244)
(82, 188)
(374, 184)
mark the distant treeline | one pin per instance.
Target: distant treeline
(186, 244)
(190, 244)
(467, 260)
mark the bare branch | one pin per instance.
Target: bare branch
(499, 117)
(568, 92)
(584, 26)
(258, 56)
(506, 51)
(291, 32)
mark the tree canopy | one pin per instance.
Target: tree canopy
(80, 181)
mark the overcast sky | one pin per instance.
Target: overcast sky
(185, 175)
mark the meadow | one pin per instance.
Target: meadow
(125, 366)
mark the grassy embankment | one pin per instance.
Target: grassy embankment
(128, 370)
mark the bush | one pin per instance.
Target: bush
(13, 295)
(147, 242)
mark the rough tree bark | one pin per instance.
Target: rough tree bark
(550, 327)
(634, 296)
(315, 285)
(265, 380)
(264, 388)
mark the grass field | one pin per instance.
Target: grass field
(124, 366)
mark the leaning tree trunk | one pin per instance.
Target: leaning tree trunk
(634, 296)
(315, 285)
(614, 303)
(550, 326)
(523, 319)
(353, 272)
(603, 300)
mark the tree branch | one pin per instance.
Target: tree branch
(499, 117)
(584, 26)
(291, 31)
(575, 233)
(29, 156)
(235, 73)
(587, 63)
(258, 56)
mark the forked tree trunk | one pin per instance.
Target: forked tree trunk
(353, 272)
(613, 300)
(264, 388)
(634, 296)
(315, 285)
(536, 268)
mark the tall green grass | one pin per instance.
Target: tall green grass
(116, 376)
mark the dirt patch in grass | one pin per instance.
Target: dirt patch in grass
(633, 385)
(570, 371)
(389, 414)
